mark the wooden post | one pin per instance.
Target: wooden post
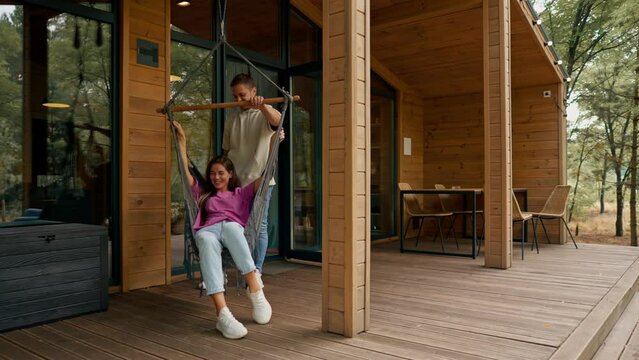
(346, 167)
(497, 134)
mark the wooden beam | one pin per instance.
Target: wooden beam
(309, 10)
(413, 11)
(315, 14)
(522, 9)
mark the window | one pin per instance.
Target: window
(304, 39)
(383, 177)
(56, 118)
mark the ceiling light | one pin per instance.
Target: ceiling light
(184, 3)
(55, 105)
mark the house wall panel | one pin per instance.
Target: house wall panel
(145, 147)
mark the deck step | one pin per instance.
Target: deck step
(623, 340)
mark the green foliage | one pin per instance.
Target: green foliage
(598, 42)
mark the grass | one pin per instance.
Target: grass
(593, 227)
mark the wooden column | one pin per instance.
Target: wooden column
(145, 147)
(346, 167)
(497, 134)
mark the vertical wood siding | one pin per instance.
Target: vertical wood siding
(145, 148)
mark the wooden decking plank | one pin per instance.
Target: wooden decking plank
(186, 318)
(584, 341)
(530, 289)
(480, 320)
(128, 339)
(256, 332)
(408, 320)
(511, 302)
(290, 323)
(631, 350)
(112, 347)
(490, 347)
(9, 350)
(616, 341)
(271, 286)
(201, 343)
(124, 322)
(39, 346)
(284, 325)
(67, 343)
(405, 349)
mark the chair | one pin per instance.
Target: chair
(415, 210)
(555, 208)
(519, 216)
(449, 205)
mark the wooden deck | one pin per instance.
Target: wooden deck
(423, 307)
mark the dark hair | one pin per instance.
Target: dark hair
(208, 189)
(243, 79)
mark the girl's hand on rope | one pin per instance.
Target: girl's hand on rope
(179, 130)
(282, 135)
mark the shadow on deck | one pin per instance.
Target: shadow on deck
(423, 306)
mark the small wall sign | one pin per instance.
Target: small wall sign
(148, 53)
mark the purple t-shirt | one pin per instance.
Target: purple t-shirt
(227, 205)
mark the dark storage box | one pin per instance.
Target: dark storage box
(50, 271)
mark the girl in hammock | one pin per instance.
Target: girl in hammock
(224, 207)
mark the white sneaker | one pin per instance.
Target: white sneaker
(261, 308)
(229, 326)
(258, 276)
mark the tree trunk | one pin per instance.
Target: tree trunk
(582, 158)
(619, 186)
(633, 159)
(633, 184)
(602, 203)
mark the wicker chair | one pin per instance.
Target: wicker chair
(519, 216)
(555, 208)
(415, 210)
(448, 204)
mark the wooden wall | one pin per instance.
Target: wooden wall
(539, 146)
(145, 148)
(454, 141)
(410, 125)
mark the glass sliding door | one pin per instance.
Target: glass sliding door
(383, 178)
(306, 167)
(56, 119)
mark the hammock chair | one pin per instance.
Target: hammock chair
(251, 230)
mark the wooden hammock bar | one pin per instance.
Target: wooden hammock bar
(224, 105)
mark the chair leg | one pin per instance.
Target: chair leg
(570, 233)
(545, 232)
(535, 242)
(452, 229)
(441, 234)
(483, 232)
(407, 225)
(522, 239)
(419, 232)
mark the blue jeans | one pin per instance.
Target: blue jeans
(210, 241)
(261, 245)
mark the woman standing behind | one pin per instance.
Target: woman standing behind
(223, 210)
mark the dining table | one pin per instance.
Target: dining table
(471, 198)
